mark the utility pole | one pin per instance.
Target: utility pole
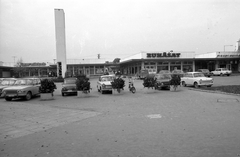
(14, 60)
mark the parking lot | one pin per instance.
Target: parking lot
(148, 123)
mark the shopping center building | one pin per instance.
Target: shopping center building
(152, 60)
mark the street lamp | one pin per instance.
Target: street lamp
(225, 46)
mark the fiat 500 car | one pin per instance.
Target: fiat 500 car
(22, 88)
(69, 86)
(196, 79)
(104, 83)
(6, 82)
(163, 80)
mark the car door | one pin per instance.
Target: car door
(99, 83)
(34, 89)
(190, 79)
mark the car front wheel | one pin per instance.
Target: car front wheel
(8, 99)
(195, 84)
(28, 96)
(184, 84)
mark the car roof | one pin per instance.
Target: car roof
(193, 72)
(70, 78)
(107, 76)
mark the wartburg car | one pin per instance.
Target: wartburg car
(104, 83)
(22, 88)
(196, 79)
(69, 86)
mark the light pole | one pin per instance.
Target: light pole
(14, 60)
(225, 46)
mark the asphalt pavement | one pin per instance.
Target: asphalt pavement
(149, 123)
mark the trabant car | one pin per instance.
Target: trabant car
(222, 71)
(104, 83)
(69, 86)
(163, 80)
(22, 88)
(196, 79)
(6, 82)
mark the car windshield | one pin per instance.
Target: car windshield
(205, 70)
(164, 76)
(24, 82)
(107, 78)
(7, 82)
(70, 81)
(198, 75)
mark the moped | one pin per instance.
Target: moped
(131, 86)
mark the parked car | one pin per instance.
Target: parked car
(164, 71)
(222, 71)
(206, 72)
(178, 72)
(6, 82)
(163, 80)
(104, 83)
(22, 88)
(196, 79)
(69, 86)
(142, 74)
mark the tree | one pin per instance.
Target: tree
(19, 69)
(116, 60)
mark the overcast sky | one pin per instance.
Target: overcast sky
(116, 28)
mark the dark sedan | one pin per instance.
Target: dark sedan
(206, 72)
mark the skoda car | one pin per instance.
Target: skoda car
(69, 86)
(22, 88)
(104, 83)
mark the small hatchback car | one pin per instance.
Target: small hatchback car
(104, 83)
(69, 86)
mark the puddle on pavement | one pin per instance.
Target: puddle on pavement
(228, 100)
(154, 116)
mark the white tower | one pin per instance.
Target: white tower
(60, 42)
(238, 45)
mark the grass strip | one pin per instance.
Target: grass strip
(228, 89)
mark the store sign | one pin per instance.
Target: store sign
(164, 54)
(33, 64)
(228, 55)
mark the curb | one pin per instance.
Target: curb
(211, 91)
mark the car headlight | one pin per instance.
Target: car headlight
(3, 93)
(21, 91)
(64, 89)
(103, 85)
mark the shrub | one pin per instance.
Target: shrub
(175, 81)
(82, 83)
(149, 82)
(118, 83)
(47, 86)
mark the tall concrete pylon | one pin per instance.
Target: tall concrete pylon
(60, 42)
